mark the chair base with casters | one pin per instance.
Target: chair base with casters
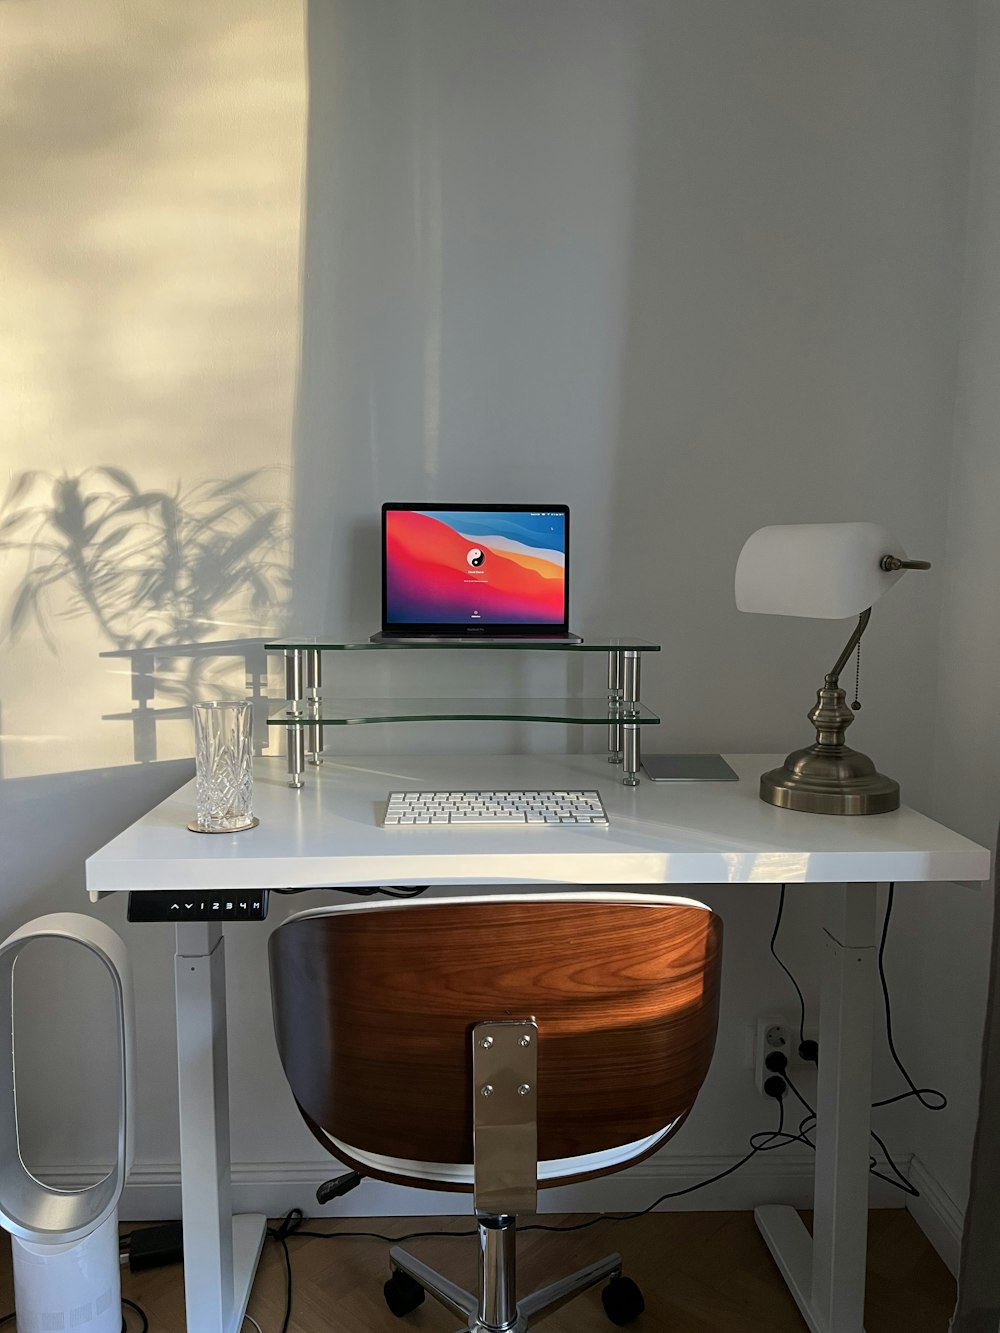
(494, 1309)
(498, 1045)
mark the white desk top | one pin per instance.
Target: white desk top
(327, 833)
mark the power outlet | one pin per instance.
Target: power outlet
(773, 1034)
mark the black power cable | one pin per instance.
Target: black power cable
(774, 955)
(923, 1095)
(291, 1222)
(366, 891)
(808, 1124)
(767, 1137)
(139, 1311)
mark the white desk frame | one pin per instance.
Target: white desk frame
(667, 834)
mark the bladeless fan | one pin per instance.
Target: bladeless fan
(65, 1242)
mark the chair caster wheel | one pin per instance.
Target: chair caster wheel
(402, 1293)
(622, 1300)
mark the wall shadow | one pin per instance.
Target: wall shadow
(154, 575)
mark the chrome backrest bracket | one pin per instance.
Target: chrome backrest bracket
(505, 1116)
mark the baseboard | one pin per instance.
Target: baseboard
(153, 1190)
(936, 1214)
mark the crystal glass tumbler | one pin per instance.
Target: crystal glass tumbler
(223, 756)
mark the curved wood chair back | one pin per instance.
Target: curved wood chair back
(373, 1010)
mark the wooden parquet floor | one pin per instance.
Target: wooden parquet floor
(699, 1272)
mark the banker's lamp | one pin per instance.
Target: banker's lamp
(828, 571)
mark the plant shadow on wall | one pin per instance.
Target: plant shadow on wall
(147, 567)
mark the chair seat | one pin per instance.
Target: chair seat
(460, 1174)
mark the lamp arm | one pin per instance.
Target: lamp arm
(833, 676)
(890, 563)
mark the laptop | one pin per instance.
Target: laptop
(454, 572)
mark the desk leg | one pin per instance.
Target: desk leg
(826, 1274)
(220, 1251)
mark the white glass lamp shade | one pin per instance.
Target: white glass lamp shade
(824, 570)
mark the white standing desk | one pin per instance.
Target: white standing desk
(673, 834)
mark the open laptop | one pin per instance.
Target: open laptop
(462, 572)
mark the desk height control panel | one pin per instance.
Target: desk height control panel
(307, 715)
(234, 905)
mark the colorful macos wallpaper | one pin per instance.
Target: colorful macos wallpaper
(465, 567)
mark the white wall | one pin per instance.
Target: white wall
(691, 267)
(152, 160)
(950, 935)
(149, 247)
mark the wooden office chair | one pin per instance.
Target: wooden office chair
(497, 1045)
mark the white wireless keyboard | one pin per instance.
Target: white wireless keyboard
(489, 809)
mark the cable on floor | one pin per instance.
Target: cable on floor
(139, 1311)
(762, 1141)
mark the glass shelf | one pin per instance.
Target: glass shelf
(349, 712)
(595, 644)
(619, 710)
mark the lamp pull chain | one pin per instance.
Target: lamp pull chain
(856, 705)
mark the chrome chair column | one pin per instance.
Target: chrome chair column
(497, 1298)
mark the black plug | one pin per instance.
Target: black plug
(333, 1189)
(776, 1062)
(809, 1051)
(775, 1087)
(152, 1247)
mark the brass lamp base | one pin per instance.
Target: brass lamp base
(830, 780)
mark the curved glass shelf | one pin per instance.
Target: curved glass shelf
(598, 644)
(351, 712)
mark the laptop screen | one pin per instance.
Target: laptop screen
(491, 569)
